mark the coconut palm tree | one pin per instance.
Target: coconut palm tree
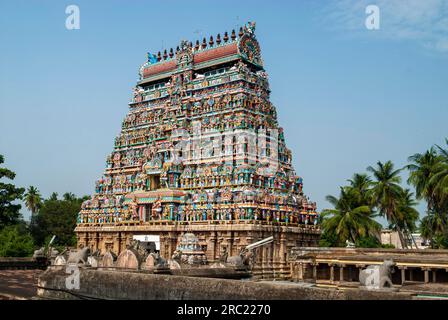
(407, 215)
(432, 226)
(361, 184)
(386, 193)
(440, 178)
(422, 169)
(68, 196)
(33, 199)
(406, 212)
(429, 175)
(348, 221)
(53, 196)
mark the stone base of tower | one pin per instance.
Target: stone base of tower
(213, 236)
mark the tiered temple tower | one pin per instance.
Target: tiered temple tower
(201, 151)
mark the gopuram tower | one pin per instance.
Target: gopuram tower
(201, 152)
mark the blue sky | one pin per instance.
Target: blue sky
(346, 96)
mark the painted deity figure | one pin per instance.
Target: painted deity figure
(156, 209)
(166, 213)
(133, 209)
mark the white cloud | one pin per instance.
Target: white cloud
(422, 21)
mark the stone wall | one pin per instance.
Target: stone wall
(13, 263)
(140, 286)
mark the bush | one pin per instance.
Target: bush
(368, 242)
(15, 241)
(329, 240)
(440, 241)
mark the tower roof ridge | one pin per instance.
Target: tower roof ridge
(201, 45)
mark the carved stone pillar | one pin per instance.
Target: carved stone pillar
(341, 273)
(315, 271)
(97, 241)
(263, 258)
(171, 246)
(331, 272)
(211, 247)
(426, 272)
(282, 251)
(230, 247)
(270, 254)
(83, 240)
(403, 274)
(117, 243)
(292, 270)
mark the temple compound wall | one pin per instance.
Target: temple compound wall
(201, 151)
(102, 284)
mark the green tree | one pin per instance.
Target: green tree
(56, 217)
(407, 215)
(328, 239)
(9, 194)
(440, 178)
(406, 212)
(33, 200)
(54, 196)
(422, 169)
(15, 241)
(432, 227)
(386, 192)
(348, 220)
(368, 242)
(361, 184)
(428, 173)
(68, 196)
